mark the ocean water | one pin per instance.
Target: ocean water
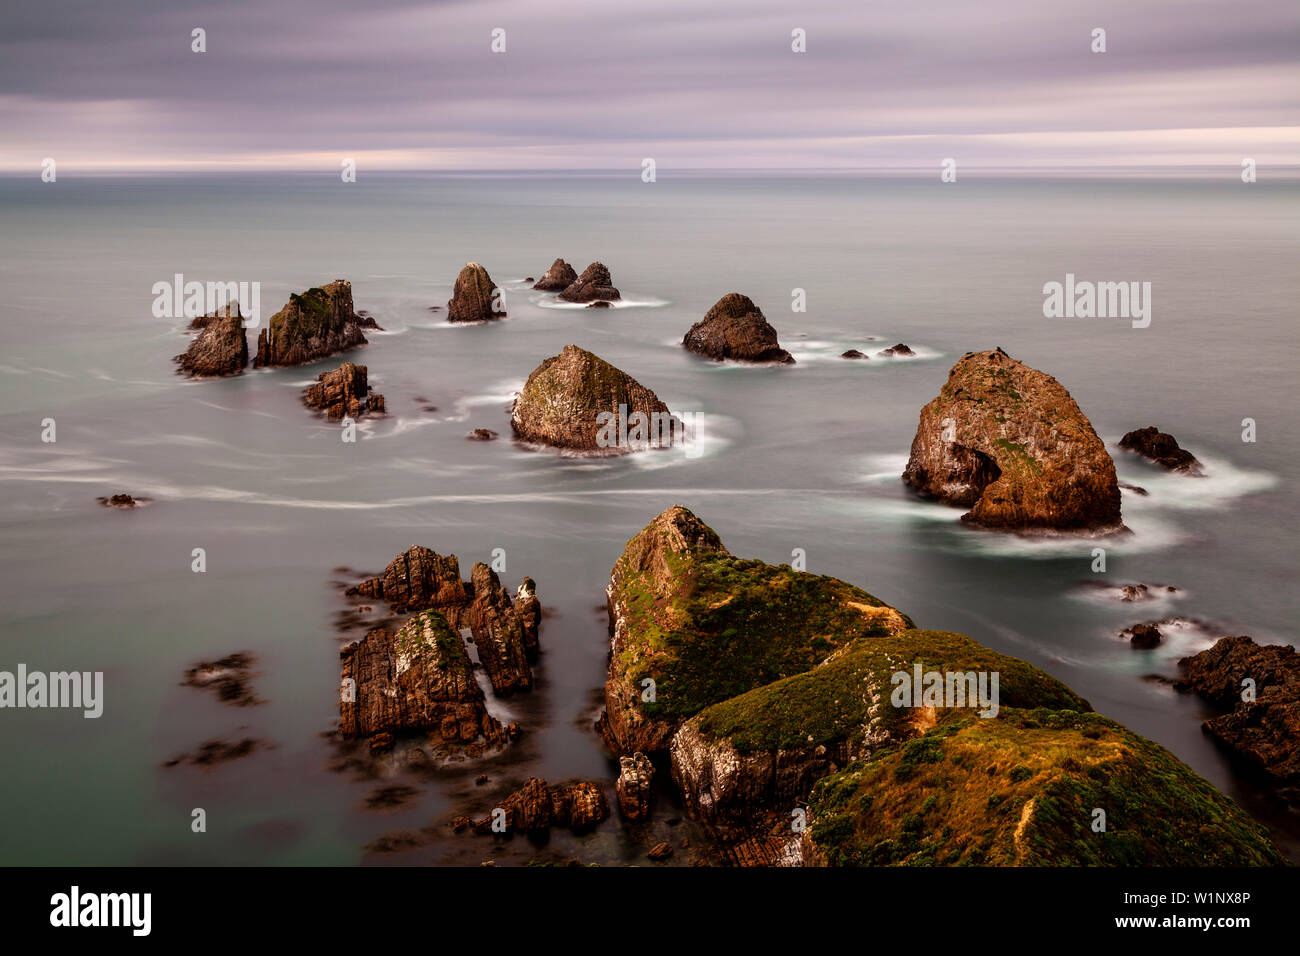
(804, 457)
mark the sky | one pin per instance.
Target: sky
(603, 84)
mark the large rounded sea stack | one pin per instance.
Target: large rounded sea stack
(311, 326)
(472, 296)
(594, 284)
(558, 277)
(736, 329)
(570, 398)
(1008, 442)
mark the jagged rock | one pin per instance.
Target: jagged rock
(1163, 449)
(636, 774)
(594, 283)
(536, 807)
(895, 351)
(118, 501)
(472, 296)
(1143, 636)
(854, 354)
(368, 321)
(660, 851)
(563, 401)
(343, 393)
(313, 325)
(1021, 790)
(705, 626)
(220, 348)
(558, 277)
(227, 311)
(506, 636)
(1009, 442)
(736, 329)
(418, 678)
(481, 434)
(1265, 732)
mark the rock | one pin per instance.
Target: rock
(382, 743)
(221, 348)
(368, 321)
(675, 615)
(343, 393)
(530, 279)
(735, 329)
(313, 325)
(230, 309)
(564, 399)
(600, 304)
(473, 296)
(536, 807)
(594, 283)
(636, 773)
(506, 637)
(1163, 449)
(1143, 636)
(213, 752)
(1021, 790)
(418, 678)
(229, 677)
(1008, 442)
(557, 278)
(854, 354)
(481, 434)
(1136, 489)
(480, 780)
(1264, 732)
(118, 501)
(896, 351)
(660, 851)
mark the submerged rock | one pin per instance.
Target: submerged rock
(565, 397)
(854, 354)
(895, 351)
(220, 348)
(735, 329)
(1023, 790)
(536, 807)
(481, 434)
(594, 283)
(473, 296)
(557, 278)
(120, 500)
(418, 678)
(1008, 442)
(1143, 636)
(229, 677)
(313, 325)
(1163, 449)
(342, 393)
(1265, 731)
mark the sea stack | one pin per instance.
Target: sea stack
(1162, 449)
(594, 283)
(735, 329)
(343, 393)
(558, 277)
(578, 401)
(313, 325)
(220, 348)
(473, 296)
(1008, 442)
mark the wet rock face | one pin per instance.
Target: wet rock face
(558, 277)
(562, 402)
(536, 807)
(473, 295)
(1009, 442)
(313, 325)
(505, 633)
(1162, 449)
(1264, 732)
(1143, 636)
(636, 774)
(735, 329)
(418, 678)
(594, 283)
(220, 348)
(343, 393)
